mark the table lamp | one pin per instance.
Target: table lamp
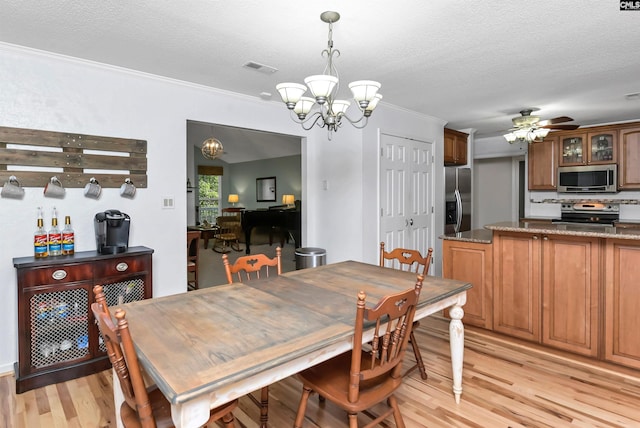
(233, 199)
(288, 200)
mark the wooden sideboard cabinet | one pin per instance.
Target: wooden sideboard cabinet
(57, 337)
(455, 147)
(622, 302)
(472, 262)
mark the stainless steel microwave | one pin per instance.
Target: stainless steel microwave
(588, 179)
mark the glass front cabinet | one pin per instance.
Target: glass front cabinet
(588, 148)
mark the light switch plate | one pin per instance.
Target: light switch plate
(168, 203)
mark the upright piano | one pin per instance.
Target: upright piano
(287, 220)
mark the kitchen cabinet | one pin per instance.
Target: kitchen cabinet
(455, 147)
(629, 153)
(472, 262)
(546, 289)
(570, 293)
(57, 337)
(590, 146)
(516, 284)
(543, 164)
(622, 297)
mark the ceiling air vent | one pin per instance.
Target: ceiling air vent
(260, 67)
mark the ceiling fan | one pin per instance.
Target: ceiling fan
(530, 128)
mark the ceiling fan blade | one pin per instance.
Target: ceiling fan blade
(565, 127)
(560, 119)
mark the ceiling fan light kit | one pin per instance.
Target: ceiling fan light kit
(529, 128)
(324, 88)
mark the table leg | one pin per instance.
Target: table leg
(118, 397)
(193, 413)
(456, 341)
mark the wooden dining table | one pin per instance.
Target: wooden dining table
(210, 346)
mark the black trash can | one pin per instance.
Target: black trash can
(308, 257)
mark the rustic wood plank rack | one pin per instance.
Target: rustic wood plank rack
(72, 158)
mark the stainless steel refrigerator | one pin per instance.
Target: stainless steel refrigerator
(457, 187)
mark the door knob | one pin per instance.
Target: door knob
(411, 222)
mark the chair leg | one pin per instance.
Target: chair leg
(264, 407)
(393, 403)
(229, 420)
(302, 407)
(416, 352)
(353, 420)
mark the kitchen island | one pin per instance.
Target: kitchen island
(568, 286)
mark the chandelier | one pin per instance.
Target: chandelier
(329, 111)
(526, 129)
(212, 148)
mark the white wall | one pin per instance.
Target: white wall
(49, 92)
(493, 199)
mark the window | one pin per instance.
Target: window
(209, 189)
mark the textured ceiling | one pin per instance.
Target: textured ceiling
(474, 64)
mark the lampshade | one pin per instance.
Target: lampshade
(288, 199)
(303, 107)
(233, 198)
(372, 105)
(364, 91)
(321, 86)
(291, 93)
(340, 106)
(510, 137)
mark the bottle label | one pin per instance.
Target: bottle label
(67, 241)
(40, 244)
(55, 242)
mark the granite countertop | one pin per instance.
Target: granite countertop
(596, 231)
(480, 236)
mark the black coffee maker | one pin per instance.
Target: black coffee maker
(112, 231)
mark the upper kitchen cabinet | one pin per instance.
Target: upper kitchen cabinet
(588, 148)
(629, 149)
(543, 167)
(455, 147)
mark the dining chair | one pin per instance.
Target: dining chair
(247, 268)
(193, 252)
(360, 379)
(142, 407)
(413, 261)
(227, 235)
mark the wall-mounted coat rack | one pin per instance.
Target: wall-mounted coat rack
(68, 156)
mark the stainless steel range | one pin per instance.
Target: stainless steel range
(589, 213)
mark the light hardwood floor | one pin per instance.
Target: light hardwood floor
(506, 384)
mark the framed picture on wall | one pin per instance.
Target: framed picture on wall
(266, 189)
